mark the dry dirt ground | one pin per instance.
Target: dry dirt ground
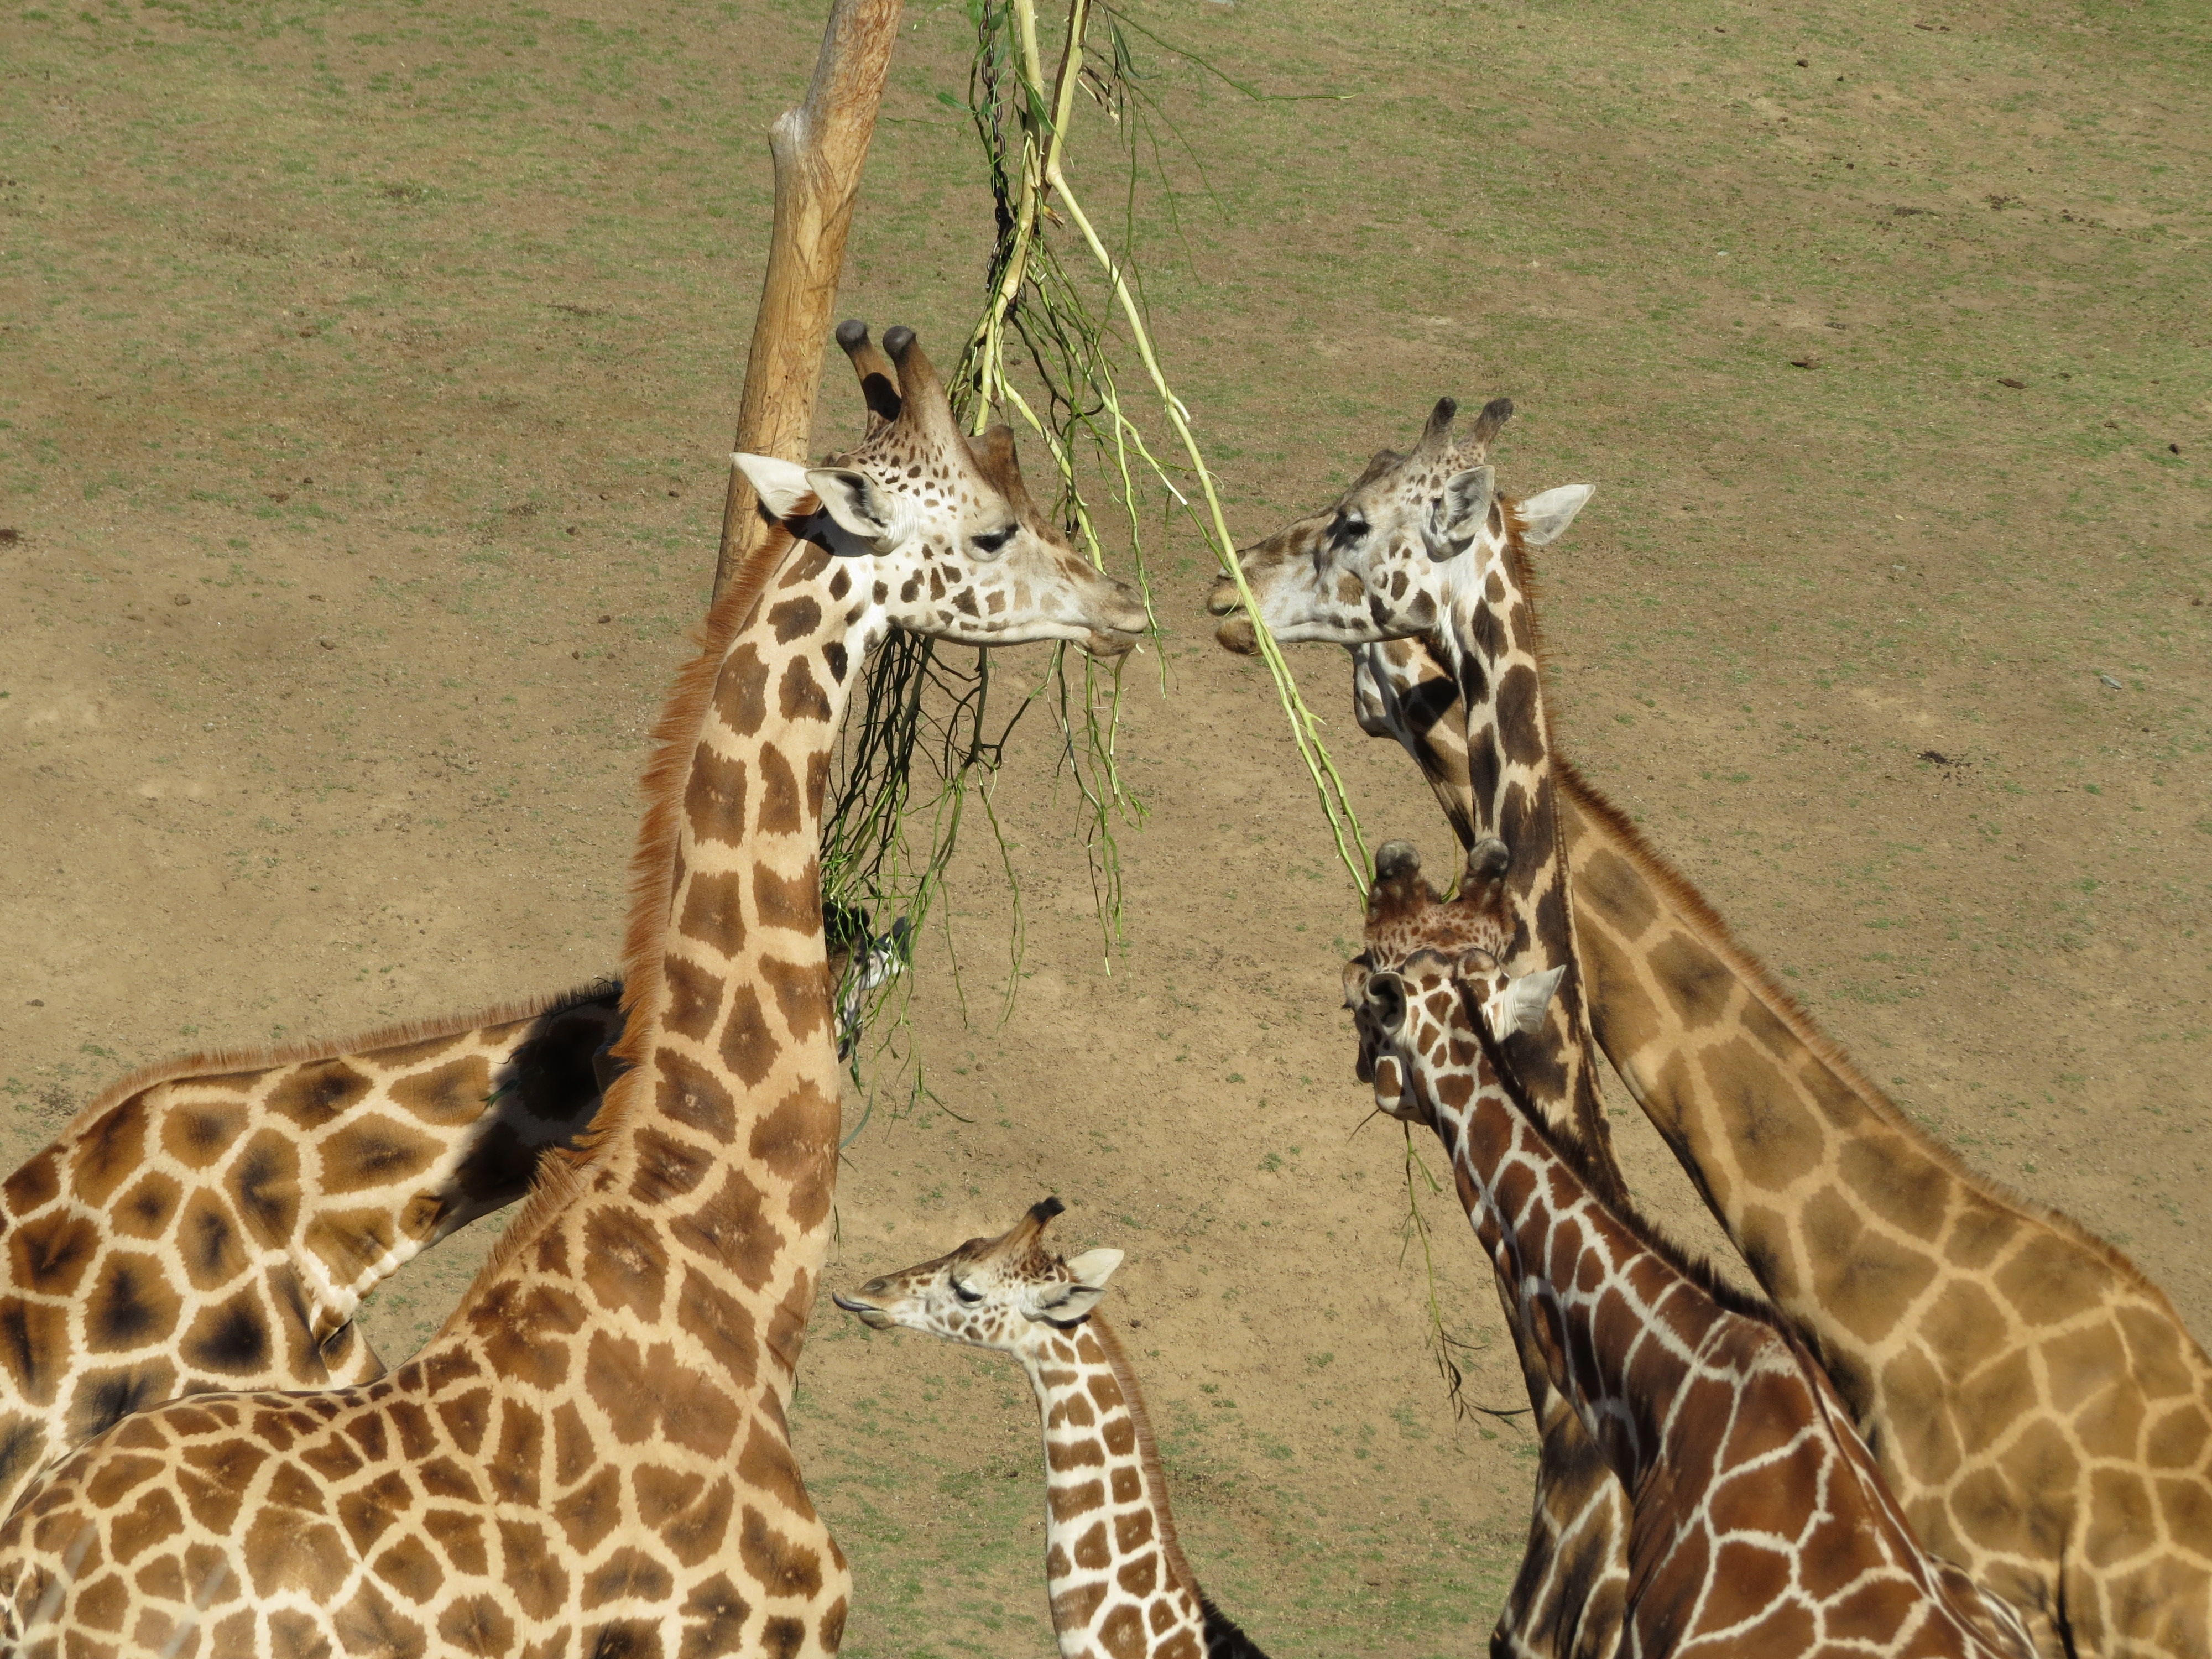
(365, 376)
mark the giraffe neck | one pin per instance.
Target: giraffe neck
(1115, 1575)
(1806, 1164)
(1488, 643)
(528, 1080)
(704, 1201)
(1617, 1323)
(1736, 1447)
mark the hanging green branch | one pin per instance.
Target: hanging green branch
(1035, 299)
(1061, 314)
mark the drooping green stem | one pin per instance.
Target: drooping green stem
(1044, 191)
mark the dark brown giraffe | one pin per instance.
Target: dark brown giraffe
(1759, 1525)
(1119, 1585)
(591, 1459)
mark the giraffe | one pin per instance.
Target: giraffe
(1420, 544)
(174, 1238)
(2034, 1402)
(1569, 1596)
(591, 1455)
(215, 1221)
(1119, 1585)
(1760, 1524)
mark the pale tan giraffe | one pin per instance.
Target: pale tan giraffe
(2035, 1403)
(592, 1458)
(1420, 543)
(1117, 1580)
(214, 1222)
(1760, 1524)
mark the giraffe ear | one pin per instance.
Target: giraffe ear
(1385, 1000)
(1094, 1268)
(1457, 516)
(1062, 1304)
(1521, 1007)
(1356, 972)
(781, 485)
(1545, 518)
(860, 506)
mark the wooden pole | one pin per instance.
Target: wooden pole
(819, 149)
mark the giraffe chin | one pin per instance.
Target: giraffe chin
(1109, 646)
(1238, 635)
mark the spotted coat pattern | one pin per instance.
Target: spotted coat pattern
(2036, 1406)
(1759, 1525)
(591, 1459)
(1119, 1584)
(215, 1223)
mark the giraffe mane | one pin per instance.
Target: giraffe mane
(562, 1171)
(217, 1062)
(1682, 896)
(1224, 1636)
(1148, 1452)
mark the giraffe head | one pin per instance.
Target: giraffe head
(1426, 959)
(1385, 559)
(1405, 913)
(952, 544)
(1007, 1293)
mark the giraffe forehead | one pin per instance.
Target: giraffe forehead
(941, 488)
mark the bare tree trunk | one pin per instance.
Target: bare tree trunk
(819, 149)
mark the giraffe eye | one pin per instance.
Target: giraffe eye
(989, 544)
(1350, 528)
(964, 1294)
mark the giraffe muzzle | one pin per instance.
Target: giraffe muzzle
(867, 1312)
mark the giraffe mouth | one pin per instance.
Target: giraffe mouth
(1237, 636)
(868, 1312)
(1111, 645)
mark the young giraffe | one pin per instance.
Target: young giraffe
(2035, 1403)
(1119, 1585)
(1420, 544)
(1761, 1525)
(591, 1458)
(215, 1222)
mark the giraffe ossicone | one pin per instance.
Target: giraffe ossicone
(1115, 1574)
(592, 1457)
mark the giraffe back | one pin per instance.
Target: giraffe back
(213, 1223)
